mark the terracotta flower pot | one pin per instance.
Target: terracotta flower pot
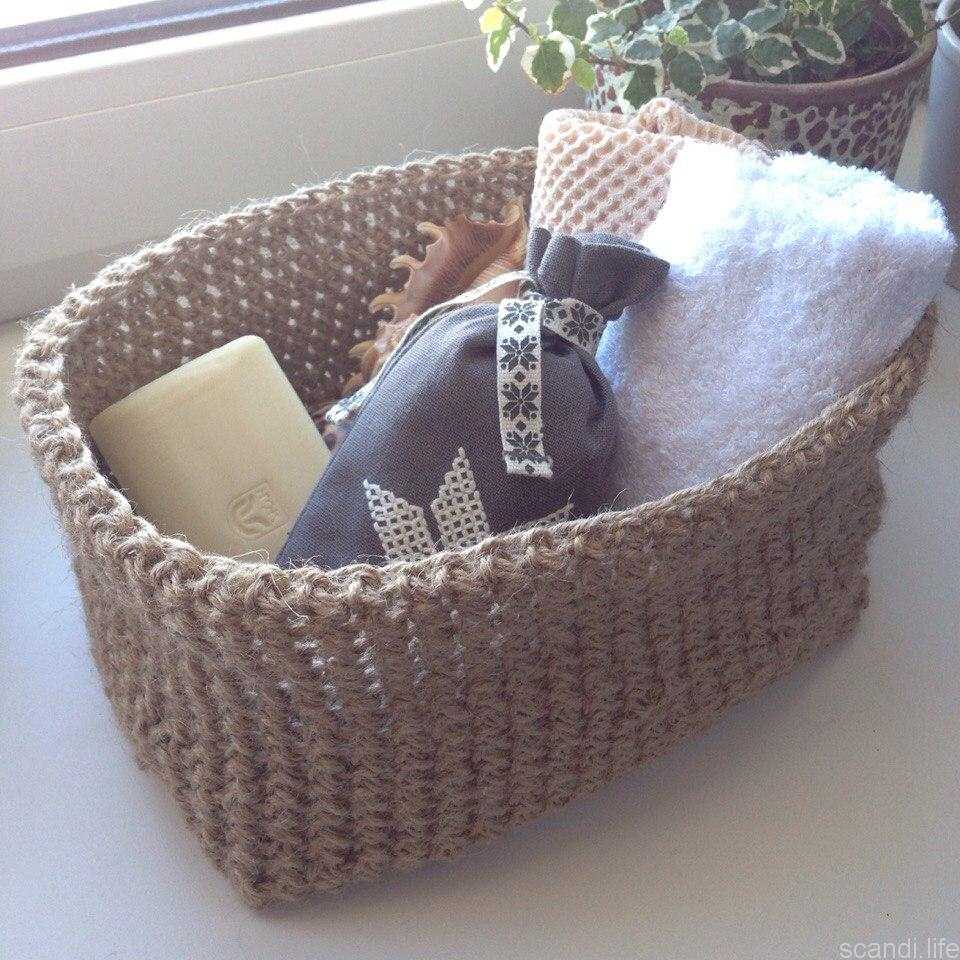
(862, 120)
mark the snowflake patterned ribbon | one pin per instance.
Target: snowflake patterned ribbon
(520, 322)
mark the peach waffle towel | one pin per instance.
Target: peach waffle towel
(608, 172)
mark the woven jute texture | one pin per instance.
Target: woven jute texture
(323, 727)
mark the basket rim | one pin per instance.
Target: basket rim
(163, 575)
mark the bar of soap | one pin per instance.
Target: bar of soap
(219, 452)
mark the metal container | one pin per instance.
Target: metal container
(940, 173)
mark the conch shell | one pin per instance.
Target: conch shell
(463, 254)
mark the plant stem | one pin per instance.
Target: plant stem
(515, 20)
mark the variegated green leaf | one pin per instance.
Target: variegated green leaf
(853, 20)
(697, 32)
(584, 75)
(635, 87)
(730, 39)
(713, 68)
(662, 21)
(643, 49)
(548, 62)
(821, 43)
(826, 10)
(909, 14)
(772, 54)
(500, 39)
(677, 36)
(629, 14)
(713, 12)
(763, 18)
(686, 73)
(601, 27)
(570, 17)
(567, 48)
(683, 8)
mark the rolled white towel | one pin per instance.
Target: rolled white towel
(791, 282)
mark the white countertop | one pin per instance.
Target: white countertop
(821, 813)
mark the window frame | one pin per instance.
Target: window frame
(141, 23)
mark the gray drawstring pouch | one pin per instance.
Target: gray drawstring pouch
(486, 418)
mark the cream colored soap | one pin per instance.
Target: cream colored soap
(220, 451)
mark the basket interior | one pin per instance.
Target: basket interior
(299, 272)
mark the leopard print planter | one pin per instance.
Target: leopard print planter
(862, 121)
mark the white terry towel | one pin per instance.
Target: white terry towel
(791, 281)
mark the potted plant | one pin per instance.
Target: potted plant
(841, 78)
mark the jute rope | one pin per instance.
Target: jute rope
(322, 727)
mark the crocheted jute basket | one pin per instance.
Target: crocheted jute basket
(322, 727)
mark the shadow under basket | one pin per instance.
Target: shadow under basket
(318, 728)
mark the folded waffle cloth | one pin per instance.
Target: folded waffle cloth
(610, 172)
(486, 417)
(792, 280)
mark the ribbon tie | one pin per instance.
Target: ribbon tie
(520, 322)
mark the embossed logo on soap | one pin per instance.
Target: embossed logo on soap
(255, 512)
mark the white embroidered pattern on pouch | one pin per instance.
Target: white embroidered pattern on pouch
(458, 511)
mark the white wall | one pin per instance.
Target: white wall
(101, 153)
